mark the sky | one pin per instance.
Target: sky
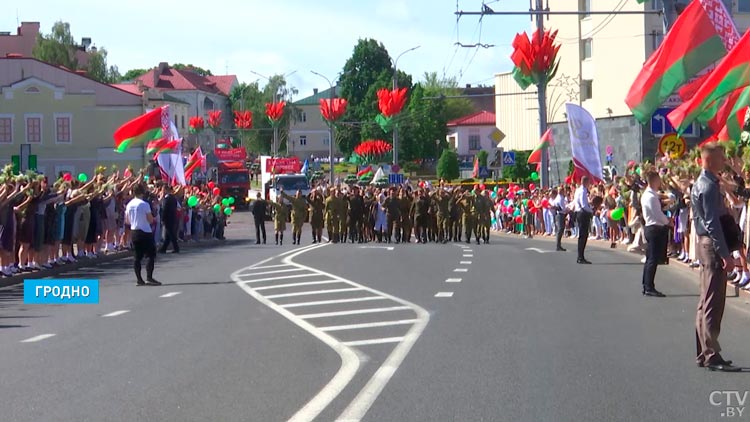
(284, 36)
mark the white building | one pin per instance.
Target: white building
(470, 134)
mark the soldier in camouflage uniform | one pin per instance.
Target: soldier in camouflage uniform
(442, 200)
(393, 216)
(332, 222)
(456, 217)
(342, 211)
(483, 206)
(468, 214)
(280, 214)
(299, 212)
(407, 218)
(316, 207)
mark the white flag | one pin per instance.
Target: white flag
(584, 141)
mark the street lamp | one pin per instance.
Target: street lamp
(395, 86)
(274, 149)
(330, 129)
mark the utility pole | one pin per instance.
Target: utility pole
(395, 86)
(332, 95)
(538, 10)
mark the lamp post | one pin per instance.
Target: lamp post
(395, 86)
(330, 129)
(274, 148)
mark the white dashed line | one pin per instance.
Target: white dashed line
(368, 325)
(444, 294)
(461, 270)
(115, 313)
(334, 301)
(468, 250)
(374, 341)
(170, 294)
(37, 338)
(314, 292)
(453, 280)
(465, 262)
(468, 256)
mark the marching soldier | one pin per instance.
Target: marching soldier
(407, 217)
(342, 210)
(356, 216)
(393, 216)
(299, 208)
(316, 207)
(332, 221)
(456, 217)
(442, 201)
(421, 209)
(468, 214)
(280, 214)
(482, 205)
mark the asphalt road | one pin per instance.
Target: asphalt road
(373, 333)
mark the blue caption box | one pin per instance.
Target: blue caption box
(60, 291)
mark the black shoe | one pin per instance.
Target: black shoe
(723, 362)
(653, 293)
(140, 283)
(176, 251)
(722, 367)
(153, 282)
(257, 243)
(583, 261)
(561, 250)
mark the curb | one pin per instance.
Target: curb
(738, 292)
(84, 263)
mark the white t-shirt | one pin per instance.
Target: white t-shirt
(137, 211)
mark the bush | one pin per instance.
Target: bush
(447, 167)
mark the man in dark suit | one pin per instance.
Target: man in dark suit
(259, 214)
(169, 220)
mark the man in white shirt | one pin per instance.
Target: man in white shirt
(139, 217)
(584, 213)
(656, 231)
(558, 206)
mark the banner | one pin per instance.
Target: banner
(172, 167)
(283, 165)
(232, 154)
(584, 142)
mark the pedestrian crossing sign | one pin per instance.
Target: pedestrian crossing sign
(509, 158)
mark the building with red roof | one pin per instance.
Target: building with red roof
(472, 133)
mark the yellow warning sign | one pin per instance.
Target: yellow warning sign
(673, 145)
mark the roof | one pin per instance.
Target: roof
(131, 88)
(171, 79)
(482, 118)
(315, 98)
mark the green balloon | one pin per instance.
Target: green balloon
(231, 200)
(217, 208)
(192, 201)
(225, 202)
(228, 211)
(82, 177)
(617, 214)
(534, 176)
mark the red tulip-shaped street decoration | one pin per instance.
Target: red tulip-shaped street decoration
(332, 110)
(371, 150)
(243, 120)
(214, 119)
(390, 103)
(197, 124)
(275, 111)
(535, 59)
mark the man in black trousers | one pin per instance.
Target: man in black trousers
(656, 231)
(259, 214)
(169, 220)
(584, 213)
(559, 206)
(138, 215)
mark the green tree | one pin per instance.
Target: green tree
(133, 74)
(435, 86)
(97, 67)
(58, 47)
(447, 167)
(482, 157)
(520, 171)
(192, 68)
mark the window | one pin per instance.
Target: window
(743, 6)
(584, 6)
(657, 4)
(586, 48)
(6, 130)
(474, 142)
(62, 129)
(175, 121)
(302, 116)
(587, 90)
(33, 129)
(303, 140)
(656, 39)
(182, 118)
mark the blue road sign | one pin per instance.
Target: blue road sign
(395, 178)
(509, 158)
(484, 172)
(660, 125)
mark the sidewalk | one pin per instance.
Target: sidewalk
(569, 243)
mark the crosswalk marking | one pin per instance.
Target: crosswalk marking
(374, 341)
(354, 312)
(333, 301)
(444, 294)
(461, 270)
(314, 292)
(170, 294)
(453, 280)
(465, 262)
(37, 338)
(258, 280)
(368, 325)
(270, 266)
(115, 313)
(308, 283)
(269, 272)
(468, 256)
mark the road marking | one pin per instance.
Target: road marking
(354, 312)
(309, 283)
(367, 325)
(37, 338)
(390, 248)
(465, 262)
(333, 301)
(461, 270)
(269, 266)
(468, 250)
(279, 278)
(268, 272)
(537, 250)
(170, 294)
(453, 280)
(444, 294)
(115, 313)
(373, 341)
(314, 292)
(468, 256)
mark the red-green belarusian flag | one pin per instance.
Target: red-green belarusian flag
(161, 146)
(365, 172)
(732, 73)
(193, 162)
(717, 114)
(690, 46)
(151, 126)
(732, 130)
(545, 142)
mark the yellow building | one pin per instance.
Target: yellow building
(66, 118)
(308, 131)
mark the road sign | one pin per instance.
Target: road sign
(496, 136)
(509, 158)
(484, 172)
(673, 145)
(396, 178)
(660, 125)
